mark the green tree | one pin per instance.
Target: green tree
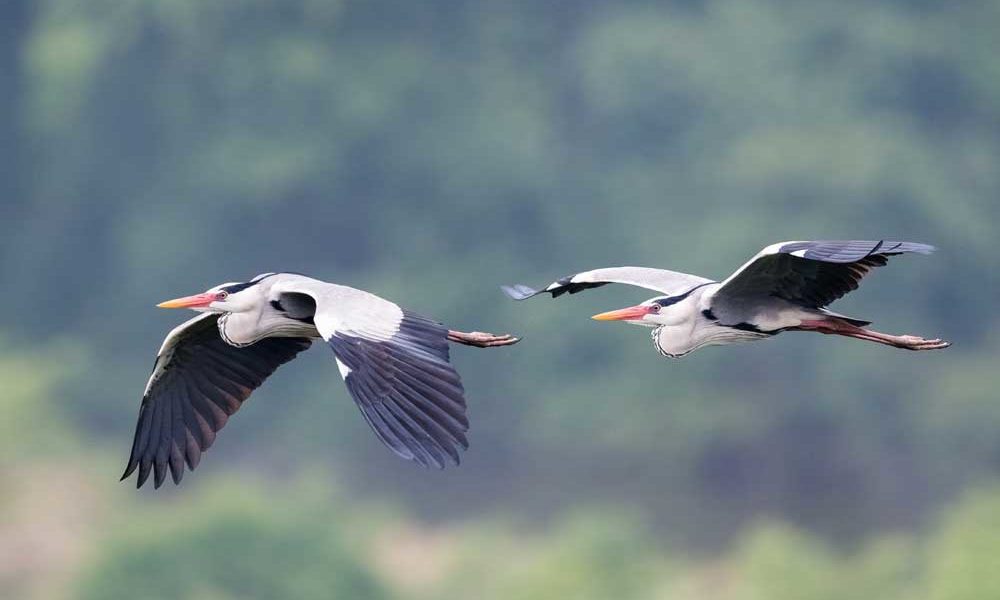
(230, 544)
(963, 562)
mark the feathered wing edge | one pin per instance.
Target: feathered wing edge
(198, 382)
(408, 392)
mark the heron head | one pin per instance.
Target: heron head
(226, 297)
(646, 314)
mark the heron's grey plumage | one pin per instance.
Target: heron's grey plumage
(785, 286)
(395, 364)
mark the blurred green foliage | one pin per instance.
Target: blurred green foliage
(586, 558)
(235, 543)
(30, 410)
(963, 559)
(430, 151)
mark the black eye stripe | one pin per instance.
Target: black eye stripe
(675, 299)
(239, 287)
(669, 301)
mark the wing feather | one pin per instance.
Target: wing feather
(666, 282)
(407, 390)
(397, 368)
(198, 382)
(811, 274)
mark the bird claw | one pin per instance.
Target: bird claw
(482, 339)
(913, 342)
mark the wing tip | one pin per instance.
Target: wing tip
(129, 469)
(450, 459)
(892, 247)
(139, 480)
(921, 248)
(847, 250)
(519, 291)
(176, 474)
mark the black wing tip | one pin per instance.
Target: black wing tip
(129, 469)
(139, 479)
(519, 291)
(159, 477)
(176, 475)
(134, 463)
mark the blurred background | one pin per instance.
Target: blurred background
(430, 151)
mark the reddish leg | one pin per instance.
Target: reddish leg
(481, 339)
(839, 327)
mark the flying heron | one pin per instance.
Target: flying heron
(785, 287)
(395, 364)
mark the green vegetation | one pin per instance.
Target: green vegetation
(236, 543)
(430, 151)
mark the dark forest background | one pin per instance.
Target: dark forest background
(430, 151)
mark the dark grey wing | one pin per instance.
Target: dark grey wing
(812, 274)
(395, 365)
(406, 389)
(198, 382)
(670, 283)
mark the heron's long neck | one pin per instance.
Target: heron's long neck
(238, 329)
(676, 341)
(244, 328)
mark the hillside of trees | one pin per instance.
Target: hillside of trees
(432, 151)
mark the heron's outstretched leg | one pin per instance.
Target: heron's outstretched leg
(839, 327)
(481, 339)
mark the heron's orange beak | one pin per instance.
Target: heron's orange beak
(632, 313)
(196, 301)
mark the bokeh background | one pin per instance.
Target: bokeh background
(430, 151)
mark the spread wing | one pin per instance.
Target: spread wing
(811, 274)
(666, 282)
(198, 382)
(396, 367)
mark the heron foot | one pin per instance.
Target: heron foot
(914, 342)
(481, 339)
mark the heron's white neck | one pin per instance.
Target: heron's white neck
(677, 341)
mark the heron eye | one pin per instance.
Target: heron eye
(223, 295)
(654, 308)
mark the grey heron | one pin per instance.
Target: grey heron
(785, 287)
(395, 364)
